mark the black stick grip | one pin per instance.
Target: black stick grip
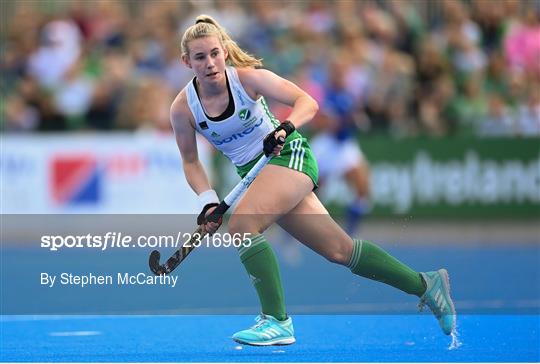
(217, 214)
(270, 142)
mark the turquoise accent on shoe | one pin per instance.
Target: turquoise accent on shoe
(267, 331)
(437, 298)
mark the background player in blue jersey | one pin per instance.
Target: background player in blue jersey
(336, 146)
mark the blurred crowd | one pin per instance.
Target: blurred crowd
(391, 67)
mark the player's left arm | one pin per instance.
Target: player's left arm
(268, 84)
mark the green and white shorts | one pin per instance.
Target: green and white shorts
(296, 154)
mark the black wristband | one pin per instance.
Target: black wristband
(201, 219)
(287, 126)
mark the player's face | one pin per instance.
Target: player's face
(207, 59)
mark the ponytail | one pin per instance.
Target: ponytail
(206, 26)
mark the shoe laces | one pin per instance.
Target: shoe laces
(260, 322)
(422, 304)
(432, 304)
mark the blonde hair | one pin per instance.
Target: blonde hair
(206, 26)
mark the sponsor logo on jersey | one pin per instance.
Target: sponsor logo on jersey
(250, 122)
(203, 125)
(237, 136)
(214, 134)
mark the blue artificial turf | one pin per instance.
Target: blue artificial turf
(320, 338)
(338, 317)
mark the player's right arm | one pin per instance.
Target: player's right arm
(184, 131)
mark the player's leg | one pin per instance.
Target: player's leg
(344, 159)
(355, 170)
(264, 202)
(310, 224)
(358, 178)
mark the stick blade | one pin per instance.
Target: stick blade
(153, 262)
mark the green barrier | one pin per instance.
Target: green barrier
(454, 177)
(438, 177)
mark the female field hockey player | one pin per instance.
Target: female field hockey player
(225, 102)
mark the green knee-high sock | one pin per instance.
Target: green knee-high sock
(262, 267)
(370, 261)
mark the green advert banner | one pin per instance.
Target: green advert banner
(454, 177)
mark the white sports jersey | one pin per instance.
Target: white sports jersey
(240, 136)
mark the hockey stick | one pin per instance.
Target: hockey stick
(215, 216)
